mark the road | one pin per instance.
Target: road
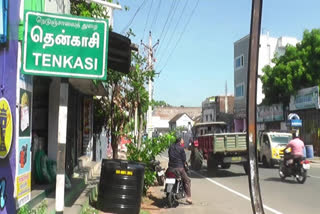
(228, 192)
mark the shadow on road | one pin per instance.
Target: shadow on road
(288, 180)
(158, 202)
(219, 174)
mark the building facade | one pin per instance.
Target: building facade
(269, 47)
(162, 115)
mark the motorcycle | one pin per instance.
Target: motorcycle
(155, 165)
(174, 187)
(297, 169)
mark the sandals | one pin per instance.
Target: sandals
(189, 201)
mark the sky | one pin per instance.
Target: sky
(195, 52)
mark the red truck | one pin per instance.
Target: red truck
(219, 148)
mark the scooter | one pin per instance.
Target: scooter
(155, 165)
(297, 169)
(174, 187)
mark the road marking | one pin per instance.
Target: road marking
(235, 192)
(232, 191)
(313, 176)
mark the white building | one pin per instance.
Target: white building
(162, 115)
(269, 47)
(181, 121)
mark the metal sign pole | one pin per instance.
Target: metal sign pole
(256, 201)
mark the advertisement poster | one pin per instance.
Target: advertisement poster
(25, 113)
(24, 157)
(23, 145)
(23, 189)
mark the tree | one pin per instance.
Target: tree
(298, 68)
(159, 103)
(126, 93)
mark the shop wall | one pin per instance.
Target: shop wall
(310, 130)
(8, 91)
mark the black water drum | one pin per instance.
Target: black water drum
(121, 186)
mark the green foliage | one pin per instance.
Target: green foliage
(87, 209)
(82, 8)
(298, 68)
(159, 103)
(40, 209)
(148, 151)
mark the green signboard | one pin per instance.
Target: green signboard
(65, 46)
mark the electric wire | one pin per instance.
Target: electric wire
(170, 11)
(184, 29)
(175, 28)
(146, 24)
(164, 35)
(169, 25)
(155, 18)
(133, 17)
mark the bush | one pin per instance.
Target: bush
(40, 209)
(148, 151)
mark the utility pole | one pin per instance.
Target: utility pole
(150, 50)
(226, 98)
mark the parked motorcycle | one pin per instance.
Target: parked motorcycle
(155, 165)
(297, 169)
(174, 187)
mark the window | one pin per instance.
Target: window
(240, 90)
(239, 62)
(206, 117)
(210, 117)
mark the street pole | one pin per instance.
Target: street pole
(62, 138)
(256, 200)
(150, 49)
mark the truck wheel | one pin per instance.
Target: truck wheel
(225, 165)
(196, 160)
(212, 165)
(265, 162)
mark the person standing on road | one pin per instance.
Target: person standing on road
(297, 146)
(177, 160)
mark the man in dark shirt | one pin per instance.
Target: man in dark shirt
(177, 160)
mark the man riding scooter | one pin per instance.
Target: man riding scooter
(297, 147)
(177, 161)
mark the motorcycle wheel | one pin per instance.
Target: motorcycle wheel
(302, 177)
(160, 180)
(281, 173)
(170, 199)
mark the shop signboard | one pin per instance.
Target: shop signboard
(305, 99)
(296, 123)
(3, 20)
(65, 46)
(270, 113)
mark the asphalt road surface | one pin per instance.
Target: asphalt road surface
(228, 192)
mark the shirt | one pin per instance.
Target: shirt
(177, 156)
(296, 146)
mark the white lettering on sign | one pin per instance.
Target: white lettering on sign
(48, 60)
(49, 39)
(37, 58)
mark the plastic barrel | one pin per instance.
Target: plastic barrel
(309, 151)
(121, 186)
